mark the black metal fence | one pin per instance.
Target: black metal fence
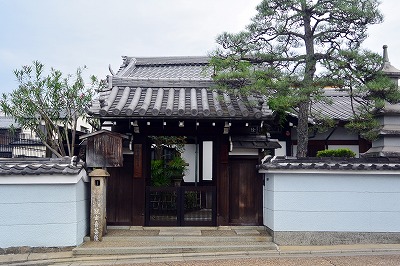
(20, 146)
(181, 206)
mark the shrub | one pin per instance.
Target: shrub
(158, 176)
(342, 152)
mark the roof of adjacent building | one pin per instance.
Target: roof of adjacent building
(349, 164)
(40, 166)
(172, 87)
(336, 105)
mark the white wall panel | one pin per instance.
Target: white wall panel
(347, 202)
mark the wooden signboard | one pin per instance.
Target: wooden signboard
(104, 149)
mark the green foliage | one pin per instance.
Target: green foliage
(191, 201)
(366, 125)
(159, 178)
(173, 142)
(176, 167)
(163, 172)
(323, 124)
(342, 152)
(50, 101)
(279, 51)
(360, 74)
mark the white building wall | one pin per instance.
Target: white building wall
(38, 211)
(281, 151)
(189, 155)
(332, 202)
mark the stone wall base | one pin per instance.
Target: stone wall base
(288, 238)
(26, 249)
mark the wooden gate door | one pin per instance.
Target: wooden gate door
(181, 206)
(245, 192)
(120, 193)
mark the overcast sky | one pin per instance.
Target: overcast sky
(66, 34)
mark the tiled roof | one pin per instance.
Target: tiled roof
(172, 87)
(40, 166)
(194, 68)
(182, 87)
(331, 164)
(337, 105)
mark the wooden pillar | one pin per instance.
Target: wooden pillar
(223, 182)
(139, 184)
(98, 223)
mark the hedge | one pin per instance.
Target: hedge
(342, 152)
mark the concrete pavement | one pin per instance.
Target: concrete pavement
(383, 254)
(234, 251)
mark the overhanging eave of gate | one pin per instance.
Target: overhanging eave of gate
(179, 103)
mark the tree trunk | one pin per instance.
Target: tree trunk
(302, 130)
(309, 71)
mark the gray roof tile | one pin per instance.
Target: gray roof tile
(39, 166)
(175, 102)
(156, 77)
(170, 72)
(171, 87)
(337, 106)
(354, 164)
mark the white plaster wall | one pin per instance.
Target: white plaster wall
(44, 215)
(82, 210)
(281, 151)
(208, 160)
(190, 157)
(332, 202)
(389, 119)
(388, 141)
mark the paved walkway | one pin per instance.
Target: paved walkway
(286, 255)
(66, 258)
(352, 254)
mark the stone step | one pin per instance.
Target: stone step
(172, 249)
(170, 234)
(178, 240)
(185, 239)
